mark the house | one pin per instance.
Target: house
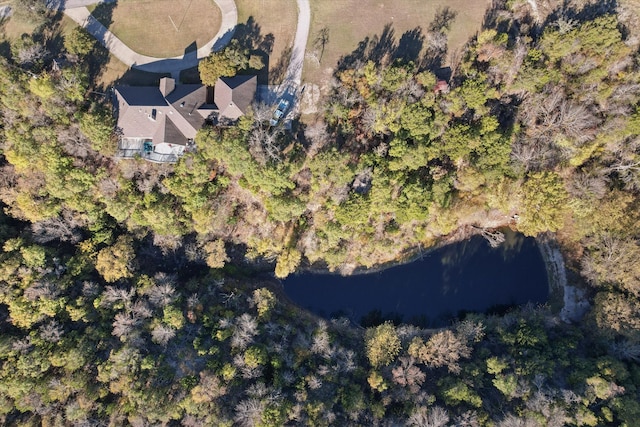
(160, 123)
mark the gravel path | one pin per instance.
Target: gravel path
(172, 65)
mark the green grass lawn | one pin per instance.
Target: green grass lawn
(161, 28)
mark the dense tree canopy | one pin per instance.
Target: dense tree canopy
(125, 296)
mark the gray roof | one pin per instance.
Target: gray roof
(173, 113)
(234, 95)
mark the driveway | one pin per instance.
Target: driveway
(290, 88)
(294, 72)
(81, 15)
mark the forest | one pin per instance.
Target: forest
(134, 293)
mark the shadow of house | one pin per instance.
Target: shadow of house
(160, 123)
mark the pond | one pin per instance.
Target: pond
(468, 276)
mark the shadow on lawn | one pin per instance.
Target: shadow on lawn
(249, 35)
(427, 50)
(99, 58)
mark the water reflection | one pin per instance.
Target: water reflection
(464, 277)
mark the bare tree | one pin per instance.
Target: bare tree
(41, 289)
(511, 420)
(407, 374)
(472, 331)
(141, 310)
(467, 419)
(318, 135)
(23, 345)
(161, 295)
(125, 325)
(51, 331)
(162, 334)
(429, 417)
(31, 53)
(64, 228)
(443, 349)
(113, 295)
(248, 413)
(264, 144)
(321, 342)
(209, 388)
(246, 328)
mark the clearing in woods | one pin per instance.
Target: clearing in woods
(345, 23)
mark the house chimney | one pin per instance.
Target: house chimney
(167, 85)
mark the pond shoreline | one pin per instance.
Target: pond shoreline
(411, 255)
(569, 302)
(461, 273)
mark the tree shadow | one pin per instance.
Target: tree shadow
(443, 19)
(99, 57)
(5, 49)
(279, 70)
(249, 35)
(588, 12)
(104, 13)
(410, 45)
(380, 49)
(427, 50)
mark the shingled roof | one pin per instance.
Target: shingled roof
(173, 113)
(234, 95)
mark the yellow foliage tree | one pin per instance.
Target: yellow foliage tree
(116, 262)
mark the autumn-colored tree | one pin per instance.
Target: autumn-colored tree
(544, 203)
(382, 344)
(115, 262)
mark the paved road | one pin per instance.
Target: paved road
(124, 53)
(294, 72)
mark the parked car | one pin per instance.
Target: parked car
(279, 113)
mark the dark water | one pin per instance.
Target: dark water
(468, 276)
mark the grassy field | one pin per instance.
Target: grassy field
(13, 28)
(161, 28)
(347, 22)
(273, 21)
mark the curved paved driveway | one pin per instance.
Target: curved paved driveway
(124, 53)
(294, 71)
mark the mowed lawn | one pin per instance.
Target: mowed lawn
(272, 18)
(350, 21)
(161, 28)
